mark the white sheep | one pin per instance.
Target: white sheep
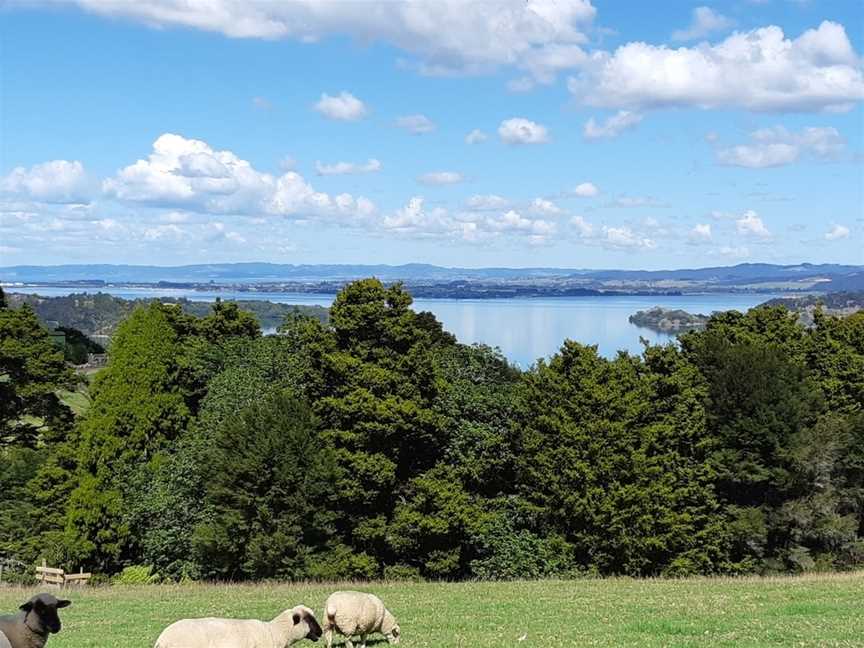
(4, 642)
(289, 627)
(358, 613)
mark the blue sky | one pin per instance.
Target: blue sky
(605, 134)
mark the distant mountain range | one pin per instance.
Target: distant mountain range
(835, 277)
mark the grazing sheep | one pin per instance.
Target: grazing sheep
(358, 613)
(289, 627)
(36, 619)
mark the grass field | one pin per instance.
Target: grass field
(804, 611)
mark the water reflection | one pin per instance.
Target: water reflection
(524, 329)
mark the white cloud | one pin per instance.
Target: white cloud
(737, 252)
(522, 84)
(414, 219)
(522, 131)
(583, 227)
(751, 225)
(487, 202)
(586, 190)
(159, 232)
(416, 124)
(624, 238)
(345, 168)
(771, 147)
(837, 232)
(476, 136)
(705, 21)
(545, 207)
(615, 125)
(538, 36)
(441, 178)
(57, 181)
(188, 174)
(701, 233)
(759, 70)
(630, 202)
(342, 107)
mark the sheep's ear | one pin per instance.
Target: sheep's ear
(27, 606)
(297, 618)
(62, 603)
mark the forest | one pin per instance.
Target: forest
(374, 445)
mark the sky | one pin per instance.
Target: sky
(567, 133)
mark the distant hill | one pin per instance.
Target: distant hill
(839, 304)
(98, 314)
(823, 277)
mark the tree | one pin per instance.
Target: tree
(31, 371)
(619, 477)
(269, 490)
(377, 406)
(137, 412)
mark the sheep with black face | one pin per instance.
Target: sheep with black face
(35, 621)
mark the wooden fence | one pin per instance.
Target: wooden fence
(58, 578)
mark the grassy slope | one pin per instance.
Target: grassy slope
(806, 611)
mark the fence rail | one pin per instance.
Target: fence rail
(59, 578)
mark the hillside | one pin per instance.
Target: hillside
(99, 313)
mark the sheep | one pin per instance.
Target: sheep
(36, 619)
(358, 613)
(289, 627)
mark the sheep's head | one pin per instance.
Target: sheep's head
(302, 623)
(40, 614)
(390, 629)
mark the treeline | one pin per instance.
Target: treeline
(375, 445)
(100, 313)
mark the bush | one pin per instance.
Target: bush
(136, 575)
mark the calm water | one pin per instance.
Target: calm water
(524, 329)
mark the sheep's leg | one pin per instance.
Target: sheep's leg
(328, 637)
(348, 643)
(363, 641)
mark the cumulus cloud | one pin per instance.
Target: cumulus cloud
(583, 228)
(487, 202)
(476, 136)
(837, 232)
(519, 130)
(342, 107)
(346, 168)
(624, 238)
(701, 233)
(415, 219)
(545, 207)
(586, 190)
(57, 181)
(629, 202)
(188, 174)
(735, 252)
(772, 147)
(440, 178)
(758, 70)
(749, 224)
(538, 36)
(416, 124)
(705, 21)
(613, 126)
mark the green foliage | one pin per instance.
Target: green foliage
(78, 345)
(31, 371)
(374, 445)
(269, 490)
(136, 575)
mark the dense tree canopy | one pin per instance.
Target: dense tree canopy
(374, 445)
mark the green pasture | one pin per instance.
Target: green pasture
(803, 611)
